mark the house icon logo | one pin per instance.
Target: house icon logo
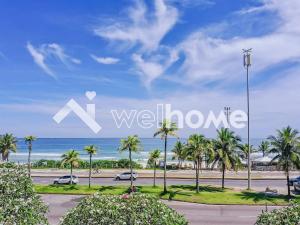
(88, 116)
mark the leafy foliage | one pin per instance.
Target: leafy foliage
(179, 152)
(131, 209)
(8, 143)
(226, 154)
(19, 204)
(197, 148)
(83, 164)
(286, 146)
(131, 144)
(285, 216)
(167, 128)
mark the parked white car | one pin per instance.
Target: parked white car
(126, 176)
(66, 180)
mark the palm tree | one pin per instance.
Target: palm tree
(179, 153)
(91, 150)
(198, 146)
(286, 146)
(131, 144)
(28, 141)
(71, 157)
(245, 150)
(226, 154)
(166, 129)
(8, 143)
(264, 147)
(153, 158)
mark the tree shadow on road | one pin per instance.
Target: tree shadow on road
(262, 197)
(206, 188)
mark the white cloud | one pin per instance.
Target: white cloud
(39, 59)
(46, 51)
(105, 60)
(153, 67)
(273, 106)
(147, 29)
(211, 59)
(193, 3)
(58, 51)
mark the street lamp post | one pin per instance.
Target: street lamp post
(227, 114)
(247, 64)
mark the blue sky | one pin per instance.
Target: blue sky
(136, 54)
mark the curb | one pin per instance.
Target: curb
(148, 177)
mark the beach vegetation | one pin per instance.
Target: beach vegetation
(179, 153)
(8, 143)
(285, 216)
(29, 140)
(127, 209)
(226, 151)
(153, 160)
(91, 150)
(19, 203)
(286, 147)
(72, 158)
(167, 128)
(198, 147)
(130, 144)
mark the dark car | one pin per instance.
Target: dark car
(291, 181)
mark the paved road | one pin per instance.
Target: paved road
(256, 184)
(197, 214)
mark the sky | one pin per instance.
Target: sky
(136, 54)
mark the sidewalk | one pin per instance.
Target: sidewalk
(176, 174)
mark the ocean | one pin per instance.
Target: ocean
(53, 148)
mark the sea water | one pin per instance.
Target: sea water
(108, 148)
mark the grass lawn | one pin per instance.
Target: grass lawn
(186, 193)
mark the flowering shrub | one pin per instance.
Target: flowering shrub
(285, 216)
(19, 205)
(134, 209)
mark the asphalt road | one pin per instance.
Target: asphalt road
(197, 214)
(256, 184)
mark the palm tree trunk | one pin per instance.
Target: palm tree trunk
(3, 156)
(197, 175)
(90, 172)
(154, 180)
(29, 160)
(223, 175)
(131, 178)
(287, 182)
(165, 165)
(71, 179)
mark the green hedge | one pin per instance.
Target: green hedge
(134, 209)
(285, 216)
(19, 204)
(101, 164)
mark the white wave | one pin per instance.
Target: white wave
(37, 154)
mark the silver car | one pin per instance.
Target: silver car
(126, 176)
(66, 180)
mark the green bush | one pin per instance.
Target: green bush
(19, 204)
(285, 216)
(83, 164)
(136, 209)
